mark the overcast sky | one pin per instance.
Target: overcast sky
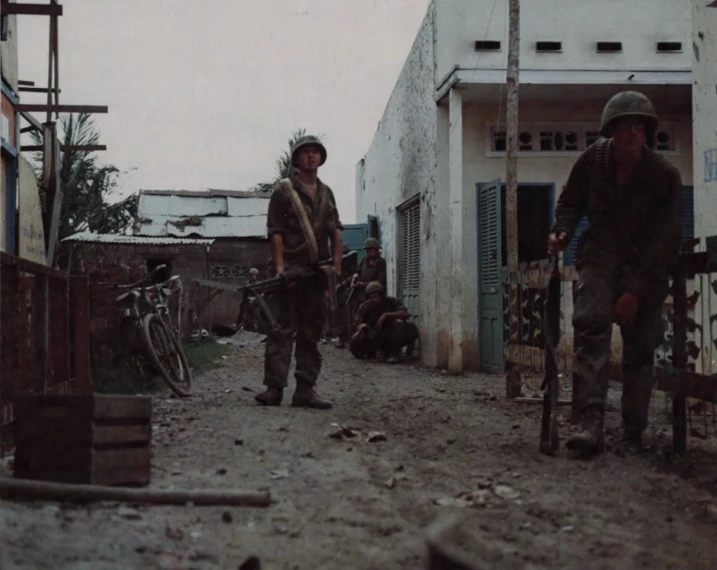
(205, 94)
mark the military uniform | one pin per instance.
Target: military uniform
(389, 338)
(299, 310)
(632, 240)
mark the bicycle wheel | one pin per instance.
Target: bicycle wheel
(167, 355)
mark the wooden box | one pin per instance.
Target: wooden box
(97, 439)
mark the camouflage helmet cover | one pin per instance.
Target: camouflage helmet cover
(253, 271)
(371, 243)
(628, 104)
(305, 141)
(374, 287)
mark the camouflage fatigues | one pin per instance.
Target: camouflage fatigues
(632, 240)
(390, 338)
(299, 310)
(368, 270)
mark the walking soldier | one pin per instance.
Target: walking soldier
(631, 196)
(302, 219)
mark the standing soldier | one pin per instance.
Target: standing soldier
(631, 196)
(371, 268)
(253, 313)
(302, 219)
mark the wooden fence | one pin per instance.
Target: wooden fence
(44, 336)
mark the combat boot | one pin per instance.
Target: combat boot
(272, 396)
(632, 439)
(306, 397)
(590, 437)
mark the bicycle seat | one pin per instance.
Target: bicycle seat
(134, 294)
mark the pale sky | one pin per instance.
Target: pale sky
(205, 94)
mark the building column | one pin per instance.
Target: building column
(454, 279)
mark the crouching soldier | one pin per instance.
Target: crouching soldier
(631, 196)
(381, 326)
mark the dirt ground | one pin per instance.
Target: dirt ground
(362, 504)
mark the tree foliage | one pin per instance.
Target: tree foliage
(283, 167)
(86, 183)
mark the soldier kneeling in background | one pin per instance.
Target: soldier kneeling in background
(381, 325)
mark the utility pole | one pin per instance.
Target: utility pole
(511, 158)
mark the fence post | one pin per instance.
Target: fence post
(679, 361)
(83, 363)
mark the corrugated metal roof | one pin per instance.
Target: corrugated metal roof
(205, 214)
(90, 237)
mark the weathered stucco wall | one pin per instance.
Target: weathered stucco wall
(705, 117)
(399, 164)
(638, 24)
(8, 54)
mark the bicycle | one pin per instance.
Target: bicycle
(145, 311)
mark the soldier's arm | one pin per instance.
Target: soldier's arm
(397, 310)
(571, 205)
(335, 231)
(665, 235)
(276, 227)
(360, 316)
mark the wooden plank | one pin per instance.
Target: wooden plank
(122, 407)
(27, 83)
(44, 107)
(25, 9)
(32, 120)
(64, 147)
(83, 359)
(24, 89)
(121, 434)
(121, 466)
(697, 386)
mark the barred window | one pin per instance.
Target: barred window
(229, 271)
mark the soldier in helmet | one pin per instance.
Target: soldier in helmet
(253, 274)
(381, 325)
(631, 196)
(252, 319)
(371, 268)
(302, 220)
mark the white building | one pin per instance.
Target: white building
(441, 141)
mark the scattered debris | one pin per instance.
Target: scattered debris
(221, 471)
(279, 474)
(238, 441)
(465, 499)
(173, 533)
(395, 478)
(346, 433)
(505, 492)
(227, 517)
(128, 513)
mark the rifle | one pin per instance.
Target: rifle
(275, 284)
(549, 436)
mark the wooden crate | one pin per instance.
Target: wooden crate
(96, 439)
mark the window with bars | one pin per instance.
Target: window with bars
(567, 138)
(409, 277)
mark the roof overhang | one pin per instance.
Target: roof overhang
(551, 78)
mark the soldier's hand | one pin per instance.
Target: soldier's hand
(381, 320)
(557, 243)
(626, 309)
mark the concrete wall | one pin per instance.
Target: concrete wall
(705, 117)
(8, 54)
(400, 163)
(638, 24)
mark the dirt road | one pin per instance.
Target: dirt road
(365, 505)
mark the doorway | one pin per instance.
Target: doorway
(535, 217)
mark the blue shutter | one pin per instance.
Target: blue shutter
(688, 213)
(571, 252)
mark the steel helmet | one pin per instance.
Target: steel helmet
(374, 287)
(629, 104)
(371, 243)
(305, 141)
(253, 271)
